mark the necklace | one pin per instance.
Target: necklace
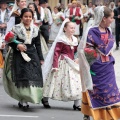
(28, 34)
(27, 29)
(101, 27)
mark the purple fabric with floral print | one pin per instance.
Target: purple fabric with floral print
(105, 91)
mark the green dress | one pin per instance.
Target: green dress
(23, 80)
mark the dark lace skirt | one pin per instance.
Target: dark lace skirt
(23, 80)
(24, 73)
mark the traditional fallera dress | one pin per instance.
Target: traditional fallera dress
(22, 79)
(57, 19)
(103, 102)
(65, 84)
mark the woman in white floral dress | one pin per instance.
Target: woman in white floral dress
(62, 79)
(58, 18)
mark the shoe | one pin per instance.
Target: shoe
(45, 104)
(20, 105)
(25, 108)
(77, 108)
(86, 117)
(117, 48)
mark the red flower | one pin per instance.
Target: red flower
(9, 37)
(91, 52)
(62, 18)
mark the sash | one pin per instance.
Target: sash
(76, 14)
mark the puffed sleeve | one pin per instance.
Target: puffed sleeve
(57, 53)
(38, 46)
(90, 38)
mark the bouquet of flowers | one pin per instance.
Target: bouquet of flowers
(10, 37)
(58, 19)
(62, 18)
(90, 54)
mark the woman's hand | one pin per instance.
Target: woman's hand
(58, 24)
(76, 60)
(54, 70)
(41, 62)
(3, 45)
(76, 18)
(21, 47)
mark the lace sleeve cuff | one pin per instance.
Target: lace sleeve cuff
(54, 69)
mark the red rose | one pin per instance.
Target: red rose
(9, 36)
(90, 51)
(62, 18)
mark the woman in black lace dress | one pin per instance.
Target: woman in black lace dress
(22, 73)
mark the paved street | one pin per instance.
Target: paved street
(60, 110)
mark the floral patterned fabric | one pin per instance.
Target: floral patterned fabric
(105, 91)
(64, 85)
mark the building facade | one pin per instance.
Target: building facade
(53, 3)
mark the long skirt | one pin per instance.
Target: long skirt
(31, 94)
(44, 46)
(103, 102)
(107, 113)
(63, 85)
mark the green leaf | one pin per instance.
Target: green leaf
(92, 73)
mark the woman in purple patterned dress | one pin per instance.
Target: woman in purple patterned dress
(101, 98)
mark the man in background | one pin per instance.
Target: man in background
(117, 24)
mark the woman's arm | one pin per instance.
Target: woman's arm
(38, 47)
(57, 53)
(94, 40)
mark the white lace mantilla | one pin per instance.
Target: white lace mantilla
(21, 32)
